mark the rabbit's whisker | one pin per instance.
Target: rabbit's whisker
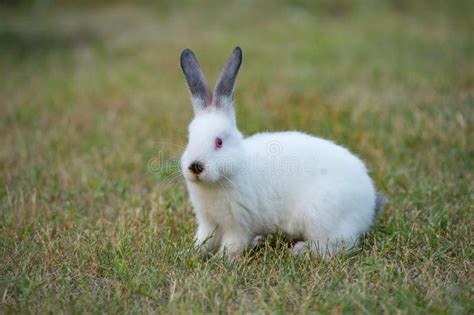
(169, 179)
(170, 143)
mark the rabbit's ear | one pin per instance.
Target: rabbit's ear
(198, 87)
(225, 84)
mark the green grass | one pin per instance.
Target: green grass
(90, 95)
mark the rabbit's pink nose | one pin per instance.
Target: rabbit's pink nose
(196, 167)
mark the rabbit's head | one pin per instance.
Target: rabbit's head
(214, 147)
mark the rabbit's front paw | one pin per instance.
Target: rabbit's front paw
(258, 240)
(233, 244)
(207, 239)
(203, 250)
(298, 249)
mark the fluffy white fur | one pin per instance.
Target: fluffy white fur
(312, 190)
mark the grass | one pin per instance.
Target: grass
(90, 96)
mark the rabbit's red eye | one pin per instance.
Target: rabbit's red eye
(219, 143)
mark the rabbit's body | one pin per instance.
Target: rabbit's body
(305, 187)
(308, 188)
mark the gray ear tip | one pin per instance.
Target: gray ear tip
(238, 51)
(187, 56)
(186, 52)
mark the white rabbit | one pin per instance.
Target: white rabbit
(312, 190)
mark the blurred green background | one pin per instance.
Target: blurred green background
(91, 95)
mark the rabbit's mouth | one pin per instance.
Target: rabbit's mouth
(202, 178)
(195, 178)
